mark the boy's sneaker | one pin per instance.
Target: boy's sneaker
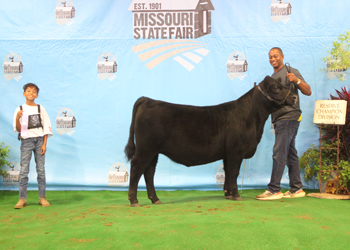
(43, 202)
(297, 194)
(268, 196)
(21, 203)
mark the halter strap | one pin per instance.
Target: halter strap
(271, 99)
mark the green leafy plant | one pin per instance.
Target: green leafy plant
(4, 155)
(330, 132)
(310, 162)
(339, 56)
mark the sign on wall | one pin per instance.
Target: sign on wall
(330, 112)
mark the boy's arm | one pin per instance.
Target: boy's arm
(18, 124)
(43, 147)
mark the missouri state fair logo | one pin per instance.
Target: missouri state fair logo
(220, 176)
(65, 12)
(172, 25)
(12, 177)
(65, 121)
(106, 66)
(118, 175)
(13, 67)
(280, 10)
(333, 72)
(236, 65)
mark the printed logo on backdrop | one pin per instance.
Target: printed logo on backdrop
(174, 24)
(65, 121)
(334, 72)
(236, 65)
(64, 12)
(106, 66)
(280, 10)
(220, 176)
(13, 67)
(12, 179)
(118, 175)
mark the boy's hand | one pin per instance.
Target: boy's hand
(43, 149)
(19, 114)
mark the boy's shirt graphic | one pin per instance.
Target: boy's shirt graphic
(34, 126)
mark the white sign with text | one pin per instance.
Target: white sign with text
(330, 112)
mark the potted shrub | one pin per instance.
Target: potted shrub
(310, 162)
(4, 155)
(310, 159)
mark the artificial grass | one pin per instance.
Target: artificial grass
(185, 220)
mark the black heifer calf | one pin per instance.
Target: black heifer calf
(192, 135)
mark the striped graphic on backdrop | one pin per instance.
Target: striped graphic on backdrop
(187, 53)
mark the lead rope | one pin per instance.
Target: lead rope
(245, 160)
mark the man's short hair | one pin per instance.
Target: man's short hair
(28, 85)
(279, 49)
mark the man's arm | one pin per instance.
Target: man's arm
(303, 86)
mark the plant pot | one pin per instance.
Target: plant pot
(323, 186)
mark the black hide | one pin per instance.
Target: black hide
(192, 135)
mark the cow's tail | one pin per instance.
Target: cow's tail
(130, 146)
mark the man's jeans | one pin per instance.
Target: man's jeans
(284, 153)
(27, 147)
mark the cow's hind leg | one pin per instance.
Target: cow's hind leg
(139, 164)
(232, 167)
(149, 179)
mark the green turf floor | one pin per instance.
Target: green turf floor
(186, 220)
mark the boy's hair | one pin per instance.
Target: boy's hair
(28, 85)
(279, 49)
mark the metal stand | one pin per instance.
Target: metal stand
(337, 148)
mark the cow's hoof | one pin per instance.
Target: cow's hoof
(239, 198)
(230, 197)
(157, 202)
(135, 205)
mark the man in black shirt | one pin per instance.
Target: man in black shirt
(286, 123)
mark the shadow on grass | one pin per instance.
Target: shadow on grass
(194, 198)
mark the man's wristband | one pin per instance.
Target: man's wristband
(298, 81)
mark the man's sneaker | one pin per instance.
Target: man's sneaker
(21, 203)
(268, 196)
(43, 202)
(297, 194)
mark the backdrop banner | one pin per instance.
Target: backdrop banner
(93, 59)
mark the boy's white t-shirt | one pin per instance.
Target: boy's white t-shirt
(45, 121)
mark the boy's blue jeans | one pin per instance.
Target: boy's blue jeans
(27, 147)
(285, 153)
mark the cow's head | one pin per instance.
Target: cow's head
(276, 92)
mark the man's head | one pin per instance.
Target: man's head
(276, 58)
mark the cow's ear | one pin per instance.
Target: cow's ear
(254, 84)
(279, 79)
(267, 78)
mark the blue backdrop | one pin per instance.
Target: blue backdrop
(93, 59)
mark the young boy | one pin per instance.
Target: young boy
(33, 124)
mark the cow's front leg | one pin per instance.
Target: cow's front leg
(232, 167)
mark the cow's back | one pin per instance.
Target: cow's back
(189, 135)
